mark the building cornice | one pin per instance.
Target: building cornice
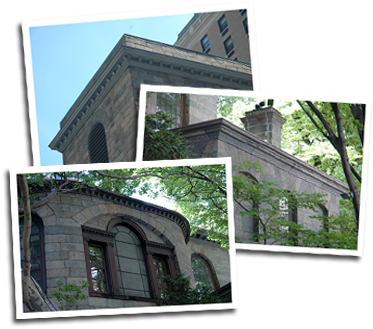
(137, 52)
(264, 148)
(129, 202)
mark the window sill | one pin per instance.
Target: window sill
(122, 297)
(230, 53)
(222, 33)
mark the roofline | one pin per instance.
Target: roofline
(132, 51)
(130, 202)
(269, 149)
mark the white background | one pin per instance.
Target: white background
(319, 48)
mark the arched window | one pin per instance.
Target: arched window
(37, 254)
(130, 263)
(121, 262)
(290, 213)
(253, 225)
(203, 272)
(97, 147)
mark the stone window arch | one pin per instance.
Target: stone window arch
(97, 146)
(122, 263)
(255, 220)
(37, 251)
(203, 271)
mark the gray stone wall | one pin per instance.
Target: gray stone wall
(118, 114)
(63, 218)
(201, 107)
(220, 138)
(198, 107)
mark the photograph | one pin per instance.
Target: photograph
(297, 165)
(100, 76)
(126, 238)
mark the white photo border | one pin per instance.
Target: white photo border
(226, 92)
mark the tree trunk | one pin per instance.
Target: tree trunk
(345, 162)
(33, 296)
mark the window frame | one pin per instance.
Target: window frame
(246, 26)
(150, 251)
(223, 26)
(99, 143)
(229, 50)
(182, 107)
(210, 268)
(205, 45)
(43, 273)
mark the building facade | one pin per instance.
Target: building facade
(120, 245)
(260, 141)
(223, 34)
(107, 109)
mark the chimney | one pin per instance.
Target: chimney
(266, 123)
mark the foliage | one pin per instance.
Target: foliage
(233, 108)
(69, 294)
(199, 192)
(301, 138)
(162, 143)
(178, 291)
(264, 202)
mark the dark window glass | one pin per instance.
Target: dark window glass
(173, 104)
(205, 43)
(202, 272)
(98, 268)
(228, 45)
(36, 251)
(242, 11)
(97, 145)
(130, 263)
(223, 24)
(245, 26)
(160, 270)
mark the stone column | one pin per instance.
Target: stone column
(266, 123)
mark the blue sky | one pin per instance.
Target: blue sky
(65, 57)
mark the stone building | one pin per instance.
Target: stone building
(107, 108)
(223, 34)
(120, 245)
(261, 141)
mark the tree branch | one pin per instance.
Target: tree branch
(22, 183)
(345, 162)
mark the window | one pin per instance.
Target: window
(242, 12)
(97, 147)
(98, 268)
(205, 44)
(122, 263)
(175, 105)
(223, 25)
(246, 26)
(161, 270)
(203, 272)
(228, 45)
(38, 271)
(289, 213)
(130, 263)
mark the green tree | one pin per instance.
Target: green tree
(199, 193)
(161, 142)
(233, 108)
(264, 203)
(177, 290)
(330, 137)
(69, 294)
